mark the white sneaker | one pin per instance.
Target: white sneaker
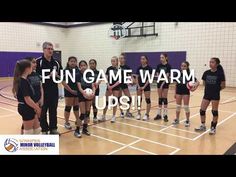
(145, 117)
(122, 115)
(138, 117)
(113, 119)
(103, 118)
(212, 131)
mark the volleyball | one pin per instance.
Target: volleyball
(88, 91)
(191, 85)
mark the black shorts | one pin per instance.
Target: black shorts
(97, 92)
(165, 86)
(68, 94)
(211, 97)
(182, 91)
(123, 86)
(26, 112)
(82, 98)
(148, 88)
(116, 88)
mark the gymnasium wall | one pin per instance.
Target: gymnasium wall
(17, 39)
(201, 41)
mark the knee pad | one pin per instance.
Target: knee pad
(186, 108)
(76, 108)
(87, 114)
(202, 112)
(37, 131)
(160, 101)
(214, 113)
(82, 116)
(67, 108)
(148, 100)
(178, 108)
(29, 132)
(130, 100)
(165, 102)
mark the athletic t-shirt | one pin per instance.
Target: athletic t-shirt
(143, 69)
(80, 79)
(35, 81)
(24, 89)
(123, 68)
(213, 81)
(71, 84)
(182, 87)
(108, 73)
(166, 68)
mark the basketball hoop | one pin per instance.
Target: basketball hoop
(117, 31)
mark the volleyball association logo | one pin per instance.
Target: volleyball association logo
(11, 145)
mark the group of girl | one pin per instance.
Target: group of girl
(29, 106)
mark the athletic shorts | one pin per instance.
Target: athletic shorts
(97, 92)
(211, 97)
(68, 94)
(116, 88)
(182, 91)
(123, 86)
(82, 98)
(148, 88)
(26, 112)
(165, 86)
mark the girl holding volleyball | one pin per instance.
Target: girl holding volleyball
(182, 93)
(24, 92)
(85, 99)
(214, 82)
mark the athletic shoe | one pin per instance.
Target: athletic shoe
(103, 118)
(158, 117)
(86, 132)
(44, 133)
(166, 118)
(129, 114)
(202, 128)
(212, 131)
(122, 115)
(95, 120)
(138, 117)
(145, 117)
(175, 122)
(67, 126)
(77, 134)
(186, 123)
(54, 132)
(113, 119)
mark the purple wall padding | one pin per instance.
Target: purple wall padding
(8, 61)
(175, 59)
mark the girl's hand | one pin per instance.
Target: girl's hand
(40, 102)
(74, 92)
(38, 111)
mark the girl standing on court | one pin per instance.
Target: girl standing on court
(143, 86)
(85, 100)
(35, 80)
(24, 92)
(183, 93)
(113, 87)
(214, 82)
(93, 66)
(162, 88)
(70, 90)
(124, 87)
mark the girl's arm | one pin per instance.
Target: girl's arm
(42, 95)
(222, 85)
(32, 104)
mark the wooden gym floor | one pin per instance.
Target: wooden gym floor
(130, 136)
